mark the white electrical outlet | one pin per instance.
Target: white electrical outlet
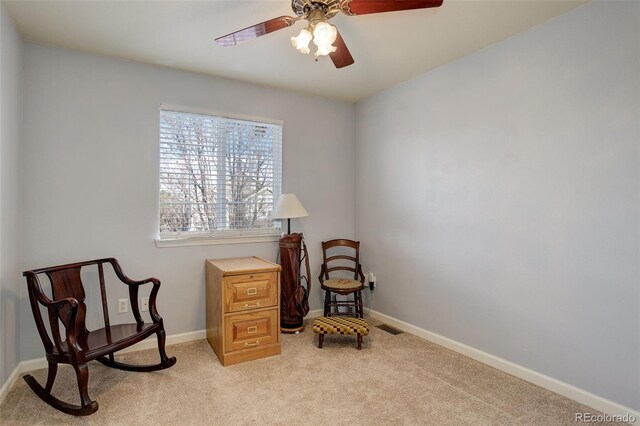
(371, 278)
(123, 306)
(144, 304)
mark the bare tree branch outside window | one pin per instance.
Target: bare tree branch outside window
(217, 174)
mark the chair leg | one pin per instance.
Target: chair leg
(51, 377)
(162, 337)
(359, 302)
(82, 374)
(359, 341)
(356, 306)
(327, 303)
(320, 340)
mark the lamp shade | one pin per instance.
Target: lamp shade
(288, 206)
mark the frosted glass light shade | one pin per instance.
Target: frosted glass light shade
(324, 34)
(324, 50)
(301, 42)
(288, 206)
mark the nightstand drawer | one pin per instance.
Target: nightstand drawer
(250, 291)
(251, 330)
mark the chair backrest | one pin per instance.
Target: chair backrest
(327, 245)
(65, 282)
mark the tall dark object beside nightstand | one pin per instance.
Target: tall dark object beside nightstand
(294, 303)
(294, 297)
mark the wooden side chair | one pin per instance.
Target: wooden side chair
(342, 286)
(80, 345)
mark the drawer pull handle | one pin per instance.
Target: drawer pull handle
(251, 291)
(252, 329)
(247, 344)
(257, 305)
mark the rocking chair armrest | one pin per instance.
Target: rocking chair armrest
(54, 307)
(125, 279)
(153, 310)
(44, 300)
(129, 281)
(58, 304)
(133, 293)
(155, 281)
(133, 299)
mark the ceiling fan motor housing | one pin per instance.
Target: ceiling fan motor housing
(306, 7)
(314, 17)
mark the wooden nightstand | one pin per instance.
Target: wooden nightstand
(243, 308)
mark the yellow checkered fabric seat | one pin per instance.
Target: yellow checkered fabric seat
(340, 325)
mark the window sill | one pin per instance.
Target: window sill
(210, 241)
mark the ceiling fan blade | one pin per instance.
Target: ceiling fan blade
(341, 57)
(363, 7)
(256, 31)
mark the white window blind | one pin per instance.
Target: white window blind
(219, 176)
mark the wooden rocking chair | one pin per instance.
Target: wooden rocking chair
(81, 345)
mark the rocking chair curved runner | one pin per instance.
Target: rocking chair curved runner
(81, 345)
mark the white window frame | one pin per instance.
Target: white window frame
(228, 236)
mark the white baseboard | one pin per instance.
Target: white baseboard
(315, 313)
(554, 385)
(149, 343)
(4, 390)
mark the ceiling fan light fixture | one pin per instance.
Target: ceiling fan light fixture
(301, 42)
(324, 34)
(324, 50)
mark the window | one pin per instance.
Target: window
(219, 176)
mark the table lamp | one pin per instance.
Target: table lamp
(288, 207)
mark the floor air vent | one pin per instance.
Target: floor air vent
(389, 329)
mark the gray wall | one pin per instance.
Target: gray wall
(497, 196)
(90, 172)
(498, 199)
(10, 133)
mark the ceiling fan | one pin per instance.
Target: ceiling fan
(324, 35)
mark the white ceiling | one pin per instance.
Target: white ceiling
(388, 48)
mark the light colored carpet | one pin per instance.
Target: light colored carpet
(393, 380)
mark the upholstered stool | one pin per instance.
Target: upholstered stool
(340, 325)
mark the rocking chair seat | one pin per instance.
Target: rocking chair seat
(110, 339)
